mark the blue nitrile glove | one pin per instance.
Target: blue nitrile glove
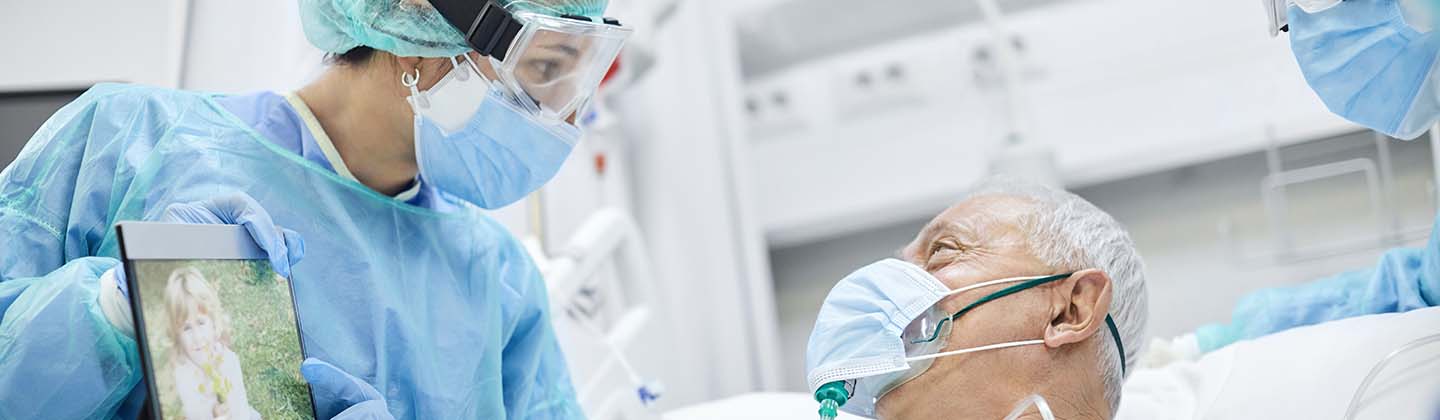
(283, 246)
(340, 396)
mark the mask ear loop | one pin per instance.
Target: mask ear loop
(476, 68)
(460, 72)
(992, 283)
(416, 98)
(975, 349)
(1028, 283)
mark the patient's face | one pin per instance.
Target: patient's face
(976, 241)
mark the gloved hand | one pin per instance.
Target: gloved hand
(283, 246)
(340, 396)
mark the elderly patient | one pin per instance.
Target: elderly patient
(1018, 299)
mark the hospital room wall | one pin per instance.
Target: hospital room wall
(168, 43)
(1114, 88)
(1195, 273)
(53, 45)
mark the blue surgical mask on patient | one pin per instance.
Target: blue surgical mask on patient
(1368, 64)
(858, 329)
(474, 142)
(880, 327)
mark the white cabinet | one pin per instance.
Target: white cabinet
(73, 44)
(1118, 88)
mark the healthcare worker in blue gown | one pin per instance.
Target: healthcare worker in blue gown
(415, 304)
(1372, 62)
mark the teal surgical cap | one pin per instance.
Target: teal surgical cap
(409, 28)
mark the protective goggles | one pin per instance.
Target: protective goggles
(928, 334)
(1277, 11)
(553, 64)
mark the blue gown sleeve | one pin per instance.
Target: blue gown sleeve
(59, 356)
(1405, 279)
(57, 198)
(535, 378)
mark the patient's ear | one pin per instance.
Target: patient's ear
(1079, 309)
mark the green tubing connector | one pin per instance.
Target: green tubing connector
(831, 397)
(829, 410)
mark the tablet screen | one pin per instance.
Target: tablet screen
(221, 339)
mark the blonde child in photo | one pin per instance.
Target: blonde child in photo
(207, 373)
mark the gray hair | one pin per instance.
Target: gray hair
(1070, 234)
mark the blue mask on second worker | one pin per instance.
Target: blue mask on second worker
(473, 142)
(1369, 65)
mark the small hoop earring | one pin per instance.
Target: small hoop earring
(417, 99)
(410, 81)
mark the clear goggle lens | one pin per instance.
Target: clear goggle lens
(556, 64)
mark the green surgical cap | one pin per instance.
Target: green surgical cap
(408, 28)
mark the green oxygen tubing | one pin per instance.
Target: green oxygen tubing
(831, 397)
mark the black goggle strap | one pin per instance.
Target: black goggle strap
(488, 27)
(1109, 322)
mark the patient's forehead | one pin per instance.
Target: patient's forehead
(989, 216)
(1005, 208)
(996, 245)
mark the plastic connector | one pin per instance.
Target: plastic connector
(829, 410)
(831, 397)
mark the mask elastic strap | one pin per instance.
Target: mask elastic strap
(476, 68)
(995, 282)
(1029, 282)
(1032, 282)
(455, 68)
(975, 349)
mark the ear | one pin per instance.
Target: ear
(1080, 307)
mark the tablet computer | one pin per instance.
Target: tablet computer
(217, 328)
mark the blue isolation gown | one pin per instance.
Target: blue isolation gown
(1404, 280)
(422, 296)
